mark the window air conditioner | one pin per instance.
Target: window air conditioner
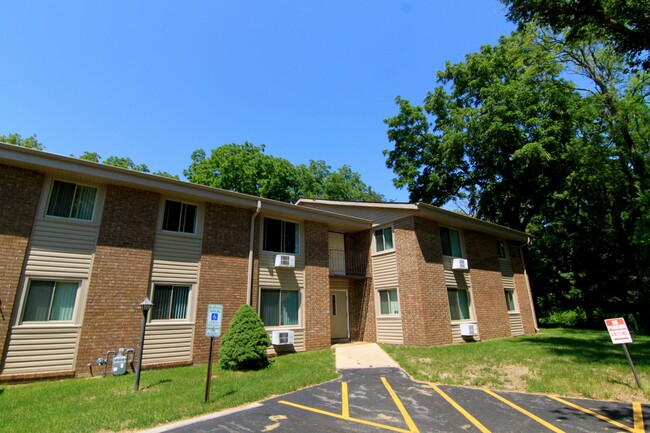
(468, 330)
(281, 338)
(285, 261)
(459, 265)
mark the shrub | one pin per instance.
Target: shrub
(565, 319)
(243, 346)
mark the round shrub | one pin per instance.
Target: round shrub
(243, 346)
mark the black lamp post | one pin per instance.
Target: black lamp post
(145, 306)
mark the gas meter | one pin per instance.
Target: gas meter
(119, 363)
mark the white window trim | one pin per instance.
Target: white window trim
(47, 192)
(79, 304)
(374, 240)
(301, 237)
(514, 300)
(470, 307)
(378, 302)
(198, 232)
(191, 303)
(301, 308)
(461, 239)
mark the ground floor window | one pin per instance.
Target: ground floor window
(388, 302)
(170, 302)
(510, 300)
(279, 307)
(48, 301)
(458, 303)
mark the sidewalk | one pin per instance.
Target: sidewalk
(362, 355)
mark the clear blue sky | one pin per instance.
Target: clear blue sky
(153, 81)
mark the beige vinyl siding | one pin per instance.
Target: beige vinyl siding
(377, 216)
(168, 342)
(455, 333)
(286, 278)
(516, 324)
(339, 284)
(389, 330)
(298, 341)
(49, 349)
(384, 267)
(176, 259)
(455, 279)
(61, 249)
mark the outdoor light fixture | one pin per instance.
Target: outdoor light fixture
(145, 306)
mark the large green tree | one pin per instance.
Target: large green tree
(247, 169)
(18, 140)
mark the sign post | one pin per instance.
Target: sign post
(619, 334)
(212, 329)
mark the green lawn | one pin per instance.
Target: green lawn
(111, 404)
(555, 361)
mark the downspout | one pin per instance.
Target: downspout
(530, 292)
(251, 246)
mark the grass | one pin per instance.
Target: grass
(111, 404)
(574, 363)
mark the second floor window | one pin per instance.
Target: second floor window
(450, 240)
(69, 200)
(280, 236)
(384, 239)
(179, 217)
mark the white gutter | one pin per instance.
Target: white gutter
(251, 246)
(530, 292)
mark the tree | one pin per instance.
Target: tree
(625, 23)
(247, 169)
(16, 139)
(243, 346)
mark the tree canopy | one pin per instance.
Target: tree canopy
(247, 169)
(511, 131)
(16, 139)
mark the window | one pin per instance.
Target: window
(384, 239)
(170, 302)
(458, 304)
(450, 240)
(510, 300)
(179, 217)
(334, 305)
(280, 236)
(388, 302)
(501, 250)
(279, 307)
(49, 301)
(69, 200)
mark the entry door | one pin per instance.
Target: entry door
(339, 311)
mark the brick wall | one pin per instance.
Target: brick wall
(317, 298)
(423, 293)
(521, 289)
(487, 286)
(120, 274)
(20, 191)
(361, 302)
(224, 270)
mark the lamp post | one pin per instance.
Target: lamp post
(145, 306)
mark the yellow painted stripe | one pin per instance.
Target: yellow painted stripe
(460, 409)
(335, 415)
(597, 415)
(345, 412)
(638, 418)
(525, 412)
(400, 406)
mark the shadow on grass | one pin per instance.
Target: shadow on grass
(155, 384)
(595, 350)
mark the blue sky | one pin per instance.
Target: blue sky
(153, 81)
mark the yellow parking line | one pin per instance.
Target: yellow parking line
(636, 409)
(460, 409)
(400, 406)
(345, 411)
(525, 412)
(335, 415)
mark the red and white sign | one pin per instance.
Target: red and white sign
(618, 331)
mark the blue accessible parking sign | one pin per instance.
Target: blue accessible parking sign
(213, 323)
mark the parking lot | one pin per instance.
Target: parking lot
(386, 399)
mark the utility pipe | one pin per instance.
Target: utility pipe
(251, 246)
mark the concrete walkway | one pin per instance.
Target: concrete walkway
(362, 355)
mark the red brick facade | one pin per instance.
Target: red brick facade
(20, 191)
(317, 297)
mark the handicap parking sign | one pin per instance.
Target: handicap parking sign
(213, 323)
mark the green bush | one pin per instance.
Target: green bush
(243, 346)
(565, 319)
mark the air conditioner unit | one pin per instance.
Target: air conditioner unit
(285, 261)
(468, 330)
(281, 338)
(459, 265)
